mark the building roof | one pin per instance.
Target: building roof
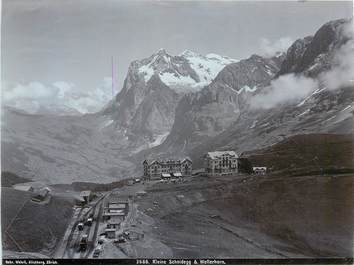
(167, 161)
(116, 210)
(114, 214)
(23, 187)
(261, 168)
(117, 205)
(115, 220)
(42, 192)
(187, 158)
(85, 193)
(217, 154)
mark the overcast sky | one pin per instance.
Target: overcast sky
(68, 44)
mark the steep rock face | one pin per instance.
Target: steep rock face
(155, 116)
(324, 110)
(249, 74)
(313, 55)
(146, 105)
(209, 112)
(106, 146)
(219, 116)
(100, 147)
(294, 55)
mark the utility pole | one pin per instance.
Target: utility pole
(112, 77)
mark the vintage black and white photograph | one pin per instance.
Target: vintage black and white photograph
(207, 130)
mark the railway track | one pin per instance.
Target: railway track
(74, 238)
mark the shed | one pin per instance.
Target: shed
(114, 222)
(110, 232)
(23, 187)
(41, 194)
(86, 195)
(260, 170)
(117, 205)
(108, 215)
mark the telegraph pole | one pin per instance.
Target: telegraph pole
(112, 77)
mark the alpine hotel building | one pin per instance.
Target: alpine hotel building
(221, 163)
(158, 169)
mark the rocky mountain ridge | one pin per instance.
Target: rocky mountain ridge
(214, 119)
(146, 105)
(150, 118)
(210, 111)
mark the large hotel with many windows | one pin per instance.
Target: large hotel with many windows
(157, 169)
(221, 163)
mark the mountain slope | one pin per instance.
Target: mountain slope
(110, 145)
(313, 55)
(221, 117)
(62, 149)
(210, 111)
(305, 154)
(146, 105)
(99, 147)
(324, 110)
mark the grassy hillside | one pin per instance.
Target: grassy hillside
(313, 214)
(307, 154)
(254, 216)
(32, 227)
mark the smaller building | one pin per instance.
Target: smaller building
(110, 233)
(259, 170)
(41, 195)
(23, 187)
(117, 205)
(86, 195)
(114, 222)
(108, 215)
(116, 210)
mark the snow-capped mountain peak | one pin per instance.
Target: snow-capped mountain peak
(187, 72)
(189, 53)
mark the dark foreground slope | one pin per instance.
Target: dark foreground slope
(303, 208)
(27, 226)
(252, 217)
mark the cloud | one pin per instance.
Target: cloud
(342, 74)
(290, 87)
(62, 97)
(285, 89)
(269, 49)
